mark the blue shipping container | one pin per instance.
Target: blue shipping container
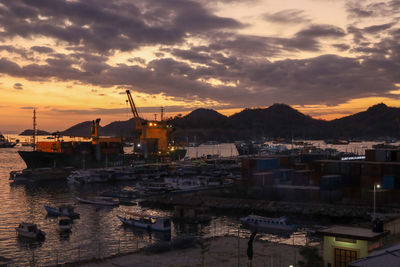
(330, 182)
(388, 182)
(267, 164)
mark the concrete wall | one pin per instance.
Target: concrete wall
(330, 243)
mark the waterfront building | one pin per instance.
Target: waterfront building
(343, 244)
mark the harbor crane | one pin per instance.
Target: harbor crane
(154, 135)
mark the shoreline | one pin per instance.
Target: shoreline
(222, 251)
(240, 205)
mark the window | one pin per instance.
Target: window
(343, 257)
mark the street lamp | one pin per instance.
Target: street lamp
(375, 187)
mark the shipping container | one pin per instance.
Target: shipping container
(369, 181)
(333, 167)
(370, 155)
(330, 196)
(265, 164)
(263, 179)
(301, 166)
(345, 168)
(372, 169)
(331, 182)
(301, 177)
(388, 182)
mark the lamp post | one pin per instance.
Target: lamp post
(375, 187)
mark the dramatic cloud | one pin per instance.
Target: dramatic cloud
(104, 25)
(182, 50)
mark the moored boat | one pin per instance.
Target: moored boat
(149, 222)
(63, 210)
(30, 230)
(65, 223)
(4, 143)
(279, 224)
(101, 202)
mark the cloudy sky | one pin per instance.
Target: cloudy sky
(74, 59)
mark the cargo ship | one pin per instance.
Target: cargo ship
(99, 152)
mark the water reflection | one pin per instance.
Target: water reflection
(98, 232)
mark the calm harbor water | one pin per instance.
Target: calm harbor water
(98, 232)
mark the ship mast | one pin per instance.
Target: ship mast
(34, 130)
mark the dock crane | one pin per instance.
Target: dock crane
(154, 135)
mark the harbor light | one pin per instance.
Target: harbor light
(375, 187)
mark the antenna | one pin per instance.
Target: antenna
(155, 116)
(162, 113)
(34, 129)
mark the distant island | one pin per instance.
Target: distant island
(29, 132)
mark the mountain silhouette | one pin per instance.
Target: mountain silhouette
(278, 120)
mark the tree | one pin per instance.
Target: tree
(311, 257)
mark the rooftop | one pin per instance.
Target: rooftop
(388, 256)
(352, 232)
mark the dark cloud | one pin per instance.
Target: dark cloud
(363, 9)
(378, 28)
(341, 47)
(42, 49)
(18, 86)
(287, 16)
(27, 107)
(103, 25)
(20, 51)
(321, 31)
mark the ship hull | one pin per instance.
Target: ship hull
(39, 159)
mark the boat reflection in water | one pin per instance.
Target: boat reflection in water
(144, 233)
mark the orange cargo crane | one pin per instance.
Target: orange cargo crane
(154, 135)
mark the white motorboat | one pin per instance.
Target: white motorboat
(30, 230)
(149, 222)
(65, 223)
(268, 223)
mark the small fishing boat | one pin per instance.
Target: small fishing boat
(149, 222)
(65, 223)
(268, 223)
(101, 202)
(64, 210)
(30, 230)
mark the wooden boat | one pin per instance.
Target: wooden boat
(149, 222)
(65, 223)
(30, 230)
(279, 224)
(101, 202)
(64, 210)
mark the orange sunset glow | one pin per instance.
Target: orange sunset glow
(73, 60)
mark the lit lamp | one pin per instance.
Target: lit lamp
(375, 187)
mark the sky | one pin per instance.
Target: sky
(73, 60)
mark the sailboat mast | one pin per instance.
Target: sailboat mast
(34, 130)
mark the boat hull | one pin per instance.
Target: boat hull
(31, 235)
(39, 159)
(55, 212)
(101, 203)
(136, 223)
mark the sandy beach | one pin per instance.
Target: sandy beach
(223, 251)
